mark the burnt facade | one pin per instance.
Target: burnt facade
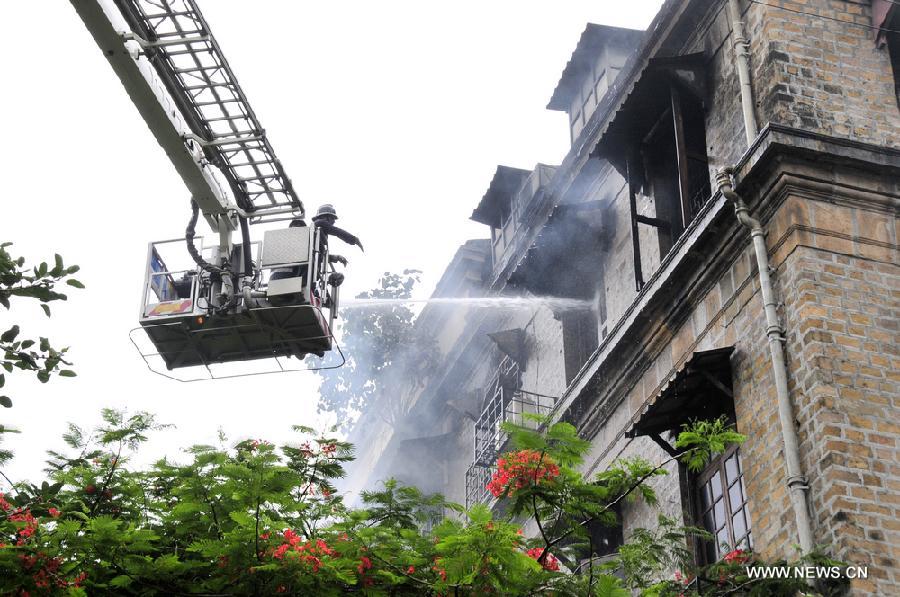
(647, 304)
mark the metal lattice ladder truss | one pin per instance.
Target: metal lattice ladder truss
(179, 44)
(214, 121)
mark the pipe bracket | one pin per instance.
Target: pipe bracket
(798, 481)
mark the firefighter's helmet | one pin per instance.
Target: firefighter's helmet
(326, 209)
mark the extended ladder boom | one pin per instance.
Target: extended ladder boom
(177, 77)
(253, 301)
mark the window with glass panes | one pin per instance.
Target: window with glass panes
(722, 506)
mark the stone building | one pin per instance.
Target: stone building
(648, 304)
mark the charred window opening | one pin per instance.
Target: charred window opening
(580, 339)
(599, 540)
(606, 539)
(657, 142)
(888, 38)
(670, 165)
(894, 49)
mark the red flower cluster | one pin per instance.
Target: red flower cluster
(550, 562)
(31, 525)
(442, 572)
(685, 579)
(521, 469)
(364, 564)
(310, 552)
(738, 556)
(45, 571)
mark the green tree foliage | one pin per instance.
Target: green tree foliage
(259, 519)
(384, 353)
(26, 354)
(39, 283)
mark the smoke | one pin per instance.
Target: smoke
(418, 419)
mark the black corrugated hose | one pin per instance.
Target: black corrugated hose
(189, 240)
(245, 240)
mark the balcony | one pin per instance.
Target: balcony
(504, 402)
(508, 238)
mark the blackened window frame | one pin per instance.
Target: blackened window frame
(581, 336)
(665, 91)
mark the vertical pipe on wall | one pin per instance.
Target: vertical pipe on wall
(797, 484)
(742, 57)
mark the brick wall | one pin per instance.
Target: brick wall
(823, 73)
(834, 252)
(836, 275)
(841, 286)
(545, 370)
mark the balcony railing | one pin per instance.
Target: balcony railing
(505, 402)
(477, 478)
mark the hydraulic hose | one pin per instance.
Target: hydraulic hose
(189, 234)
(245, 241)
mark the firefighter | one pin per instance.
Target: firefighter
(324, 220)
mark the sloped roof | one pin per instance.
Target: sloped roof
(506, 182)
(590, 44)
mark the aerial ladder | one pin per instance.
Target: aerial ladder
(232, 301)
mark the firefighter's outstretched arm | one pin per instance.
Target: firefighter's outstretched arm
(332, 230)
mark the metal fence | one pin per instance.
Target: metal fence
(505, 402)
(477, 478)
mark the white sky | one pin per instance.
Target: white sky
(396, 112)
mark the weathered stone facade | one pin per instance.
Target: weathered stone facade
(821, 176)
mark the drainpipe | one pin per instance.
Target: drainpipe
(797, 484)
(742, 55)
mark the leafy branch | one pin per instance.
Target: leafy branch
(39, 283)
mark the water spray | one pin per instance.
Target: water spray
(533, 302)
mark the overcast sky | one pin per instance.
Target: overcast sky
(396, 112)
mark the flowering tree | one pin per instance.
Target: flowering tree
(259, 519)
